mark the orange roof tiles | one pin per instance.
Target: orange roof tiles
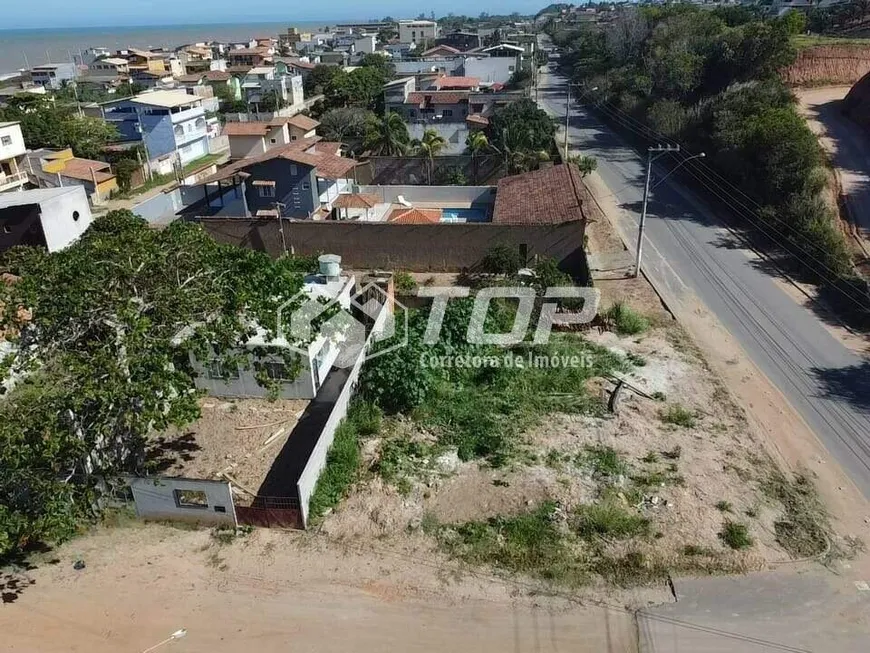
(547, 196)
(415, 216)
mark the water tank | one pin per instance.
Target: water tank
(330, 265)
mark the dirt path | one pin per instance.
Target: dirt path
(274, 591)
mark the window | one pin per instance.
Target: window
(220, 371)
(447, 112)
(412, 113)
(273, 140)
(266, 191)
(190, 499)
(274, 371)
(293, 170)
(511, 68)
(306, 185)
(292, 138)
(6, 140)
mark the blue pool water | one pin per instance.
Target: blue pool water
(463, 215)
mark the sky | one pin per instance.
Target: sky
(100, 13)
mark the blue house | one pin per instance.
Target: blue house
(171, 124)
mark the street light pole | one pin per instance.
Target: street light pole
(649, 161)
(567, 114)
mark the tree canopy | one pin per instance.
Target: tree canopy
(47, 123)
(97, 361)
(361, 88)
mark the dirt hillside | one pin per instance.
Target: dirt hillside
(824, 65)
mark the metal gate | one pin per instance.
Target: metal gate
(271, 512)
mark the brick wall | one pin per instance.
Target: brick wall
(439, 247)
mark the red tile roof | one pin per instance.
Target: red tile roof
(547, 196)
(422, 98)
(76, 168)
(302, 122)
(477, 119)
(415, 216)
(457, 82)
(356, 201)
(440, 48)
(217, 75)
(247, 128)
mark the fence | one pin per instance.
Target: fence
(184, 499)
(317, 460)
(271, 512)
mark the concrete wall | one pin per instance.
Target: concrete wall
(245, 384)
(157, 498)
(484, 169)
(16, 147)
(439, 247)
(490, 69)
(65, 218)
(317, 460)
(160, 207)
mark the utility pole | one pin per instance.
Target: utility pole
(567, 115)
(279, 207)
(659, 150)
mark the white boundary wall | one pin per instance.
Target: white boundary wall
(317, 460)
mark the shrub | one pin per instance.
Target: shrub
(610, 520)
(404, 282)
(604, 461)
(735, 535)
(342, 467)
(502, 259)
(724, 506)
(625, 320)
(678, 416)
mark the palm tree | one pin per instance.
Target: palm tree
(429, 146)
(475, 143)
(387, 136)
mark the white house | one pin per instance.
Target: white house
(12, 150)
(417, 31)
(52, 218)
(222, 380)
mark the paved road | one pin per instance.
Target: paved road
(828, 384)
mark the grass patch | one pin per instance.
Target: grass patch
(625, 320)
(694, 550)
(632, 569)
(678, 416)
(609, 520)
(604, 461)
(401, 459)
(673, 454)
(635, 359)
(529, 543)
(735, 535)
(724, 506)
(803, 529)
(342, 462)
(404, 283)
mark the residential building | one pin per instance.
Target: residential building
(552, 195)
(782, 7)
(218, 80)
(440, 52)
(267, 355)
(149, 79)
(60, 168)
(293, 66)
(348, 28)
(171, 124)
(504, 50)
(418, 31)
(456, 83)
(337, 58)
(143, 60)
(248, 57)
(52, 218)
(299, 180)
(54, 75)
(461, 41)
(12, 151)
(24, 87)
(263, 81)
(365, 44)
(491, 70)
(292, 37)
(251, 139)
(108, 70)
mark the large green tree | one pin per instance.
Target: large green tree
(47, 123)
(97, 361)
(347, 126)
(361, 88)
(522, 116)
(387, 136)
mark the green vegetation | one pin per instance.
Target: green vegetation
(625, 320)
(47, 123)
(404, 282)
(609, 519)
(724, 506)
(678, 416)
(347, 126)
(102, 368)
(523, 133)
(840, 16)
(735, 535)
(605, 462)
(387, 136)
(502, 259)
(803, 530)
(709, 80)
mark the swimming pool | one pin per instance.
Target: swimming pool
(464, 215)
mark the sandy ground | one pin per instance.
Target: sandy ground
(272, 591)
(235, 439)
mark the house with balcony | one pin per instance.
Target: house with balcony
(12, 156)
(108, 71)
(253, 138)
(300, 180)
(171, 124)
(262, 81)
(54, 75)
(248, 57)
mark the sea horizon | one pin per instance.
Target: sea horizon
(25, 47)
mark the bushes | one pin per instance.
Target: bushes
(735, 535)
(502, 259)
(625, 320)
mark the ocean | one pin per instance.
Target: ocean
(22, 48)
